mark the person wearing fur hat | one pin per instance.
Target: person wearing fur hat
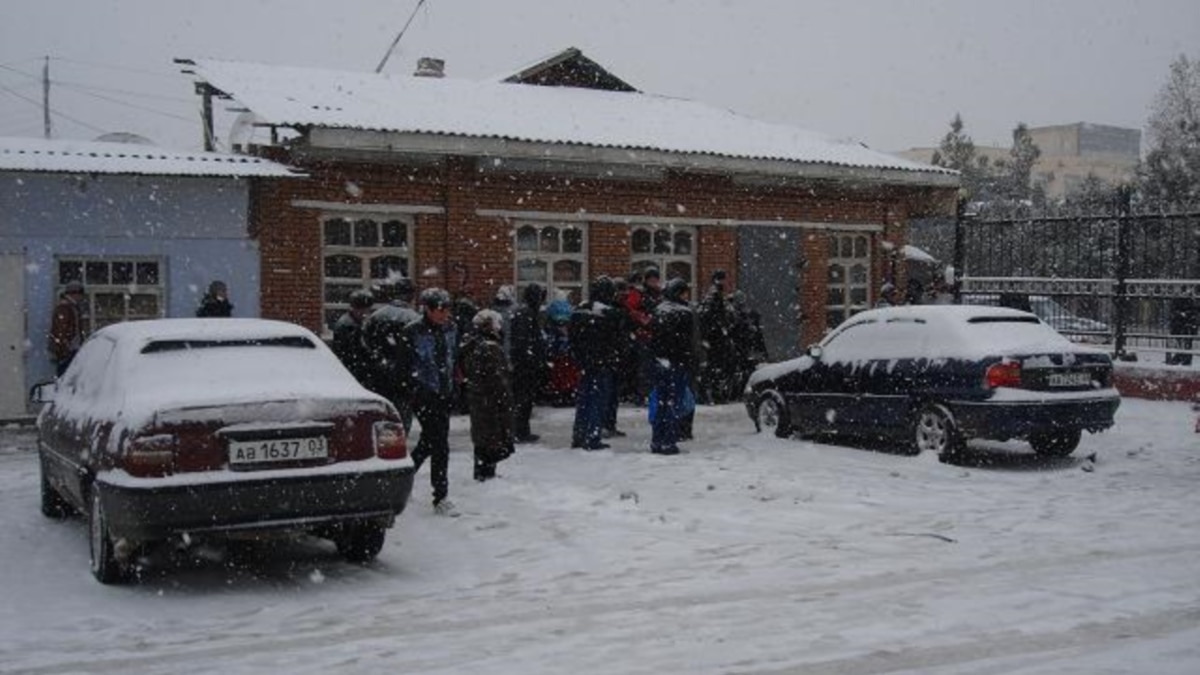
(428, 358)
(488, 380)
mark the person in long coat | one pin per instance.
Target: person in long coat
(673, 346)
(489, 393)
(382, 334)
(527, 352)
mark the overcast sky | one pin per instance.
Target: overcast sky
(891, 73)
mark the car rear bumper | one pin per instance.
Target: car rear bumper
(1009, 419)
(150, 509)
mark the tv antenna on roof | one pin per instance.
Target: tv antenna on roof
(399, 35)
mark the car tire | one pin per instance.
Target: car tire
(934, 430)
(361, 543)
(53, 504)
(1058, 443)
(105, 566)
(772, 414)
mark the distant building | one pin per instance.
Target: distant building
(1070, 152)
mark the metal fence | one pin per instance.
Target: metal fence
(1128, 281)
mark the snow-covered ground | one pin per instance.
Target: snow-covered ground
(746, 554)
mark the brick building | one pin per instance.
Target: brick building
(557, 174)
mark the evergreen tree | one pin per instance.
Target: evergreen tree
(957, 151)
(1170, 175)
(1016, 178)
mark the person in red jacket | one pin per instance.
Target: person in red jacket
(66, 327)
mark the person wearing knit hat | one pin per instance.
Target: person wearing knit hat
(429, 356)
(349, 342)
(672, 346)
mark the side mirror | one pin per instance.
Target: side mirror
(814, 352)
(43, 392)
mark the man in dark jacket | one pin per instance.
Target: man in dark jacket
(716, 322)
(673, 347)
(349, 343)
(594, 327)
(489, 393)
(429, 355)
(216, 301)
(382, 333)
(528, 357)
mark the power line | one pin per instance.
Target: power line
(52, 110)
(95, 64)
(126, 104)
(81, 85)
(399, 35)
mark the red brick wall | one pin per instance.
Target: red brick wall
(467, 253)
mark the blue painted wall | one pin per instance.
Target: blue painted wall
(196, 226)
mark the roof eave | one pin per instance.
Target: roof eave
(328, 140)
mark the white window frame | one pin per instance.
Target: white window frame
(577, 291)
(662, 259)
(92, 320)
(365, 253)
(847, 250)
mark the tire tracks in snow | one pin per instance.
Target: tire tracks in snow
(195, 648)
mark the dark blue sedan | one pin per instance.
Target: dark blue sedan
(937, 376)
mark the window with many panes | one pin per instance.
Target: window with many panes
(552, 254)
(115, 289)
(672, 249)
(356, 254)
(849, 280)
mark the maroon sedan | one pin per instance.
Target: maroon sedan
(181, 429)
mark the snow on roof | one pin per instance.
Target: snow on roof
(289, 95)
(38, 154)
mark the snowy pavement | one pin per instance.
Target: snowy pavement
(746, 554)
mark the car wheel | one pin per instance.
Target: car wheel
(361, 543)
(935, 431)
(1058, 443)
(105, 566)
(53, 504)
(771, 414)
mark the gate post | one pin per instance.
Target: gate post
(1124, 219)
(960, 211)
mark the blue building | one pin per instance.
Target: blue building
(145, 229)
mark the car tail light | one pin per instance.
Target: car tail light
(389, 440)
(154, 455)
(1004, 374)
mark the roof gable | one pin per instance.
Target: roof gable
(570, 68)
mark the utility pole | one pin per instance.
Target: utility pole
(388, 53)
(46, 97)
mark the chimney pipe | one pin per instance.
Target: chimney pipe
(430, 67)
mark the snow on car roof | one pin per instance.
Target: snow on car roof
(969, 331)
(218, 363)
(203, 329)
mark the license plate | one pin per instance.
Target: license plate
(273, 450)
(1069, 379)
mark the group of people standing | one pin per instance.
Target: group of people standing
(431, 354)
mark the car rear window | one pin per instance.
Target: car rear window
(296, 341)
(1011, 334)
(1004, 319)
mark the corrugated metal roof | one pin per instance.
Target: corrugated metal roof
(39, 154)
(288, 95)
